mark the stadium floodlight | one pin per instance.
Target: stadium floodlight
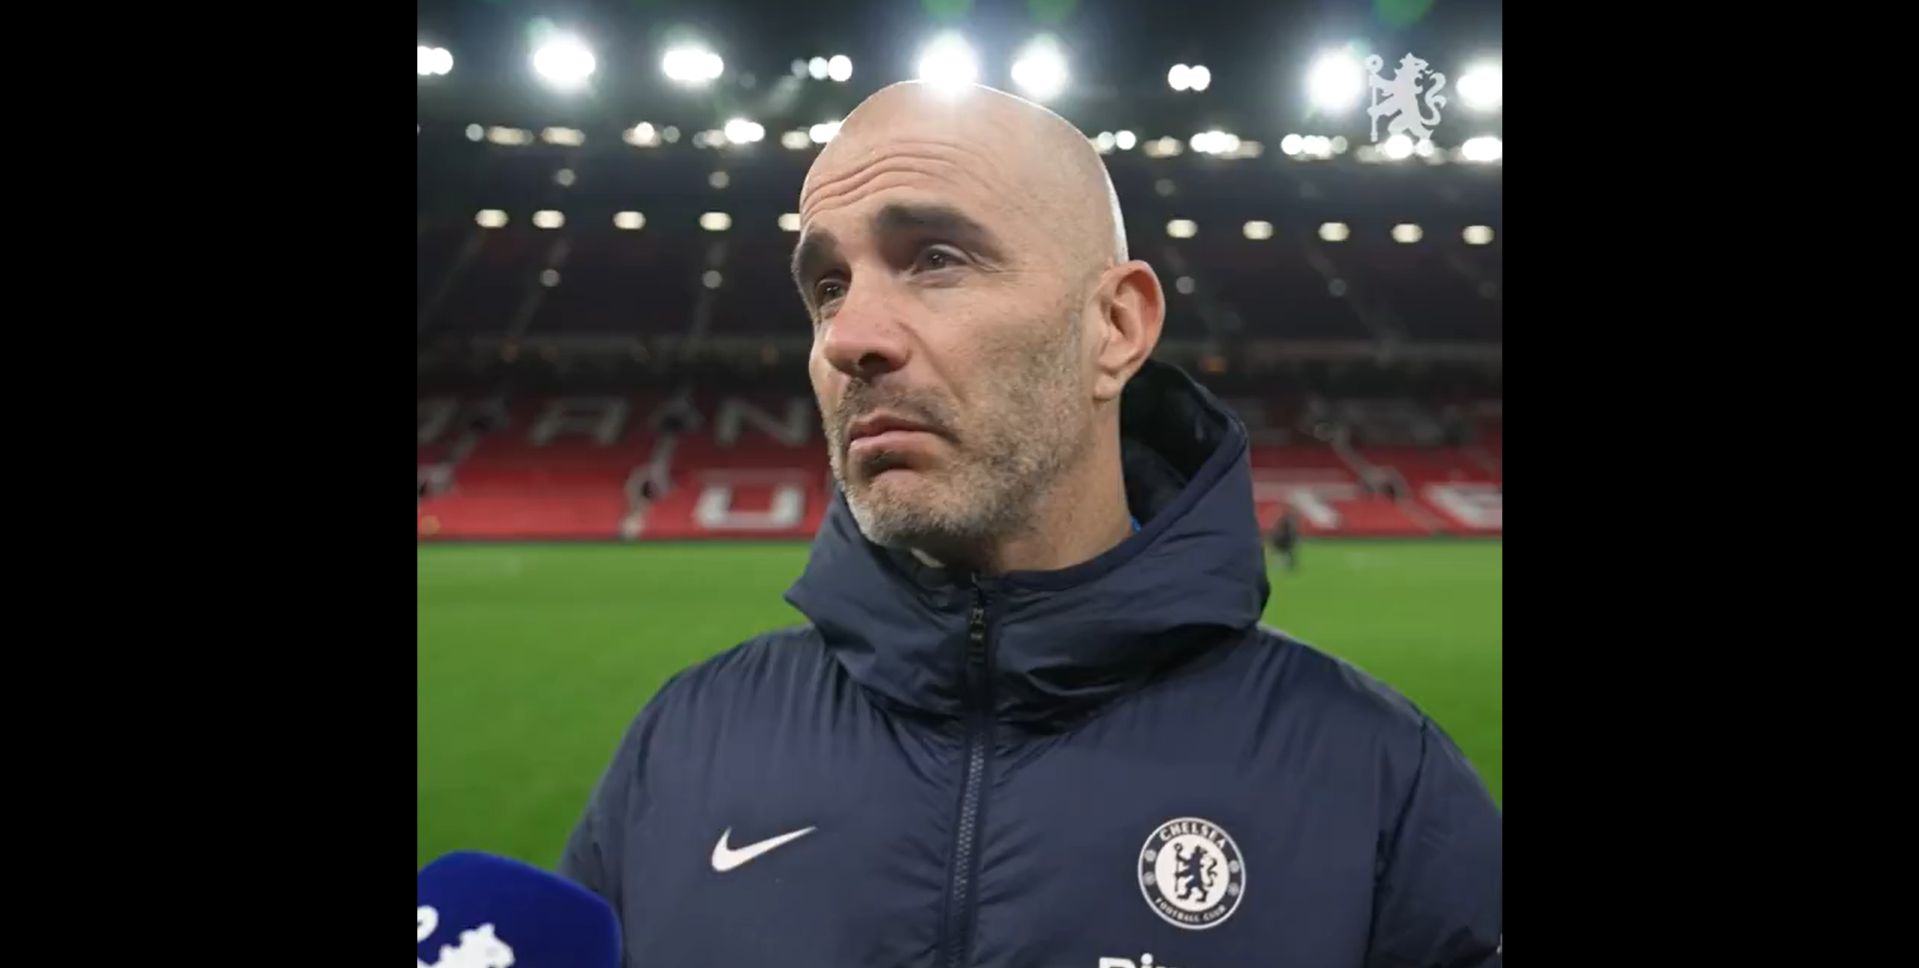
(547, 218)
(1166, 147)
(816, 68)
(1125, 140)
(716, 221)
(1316, 146)
(564, 62)
(719, 179)
(1199, 78)
(839, 68)
(630, 221)
(642, 135)
(1340, 144)
(432, 61)
(949, 62)
(1424, 148)
(490, 218)
(1292, 144)
(474, 132)
(790, 222)
(1335, 82)
(795, 140)
(572, 137)
(711, 278)
(1040, 70)
(1335, 231)
(550, 278)
(1184, 284)
(564, 178)
(1180, 78)
(1398, 147)
(1483, 149)
(1215, 142)
(1482, 87)
(509, 136)
(1407, 233)
(1182, 228)
(820, 134)
(740, 131)
(1259, 231)
(1478, 235)
(691, 65)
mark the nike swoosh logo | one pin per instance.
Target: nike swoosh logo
(726, 858)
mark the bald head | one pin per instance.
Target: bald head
(1011, 152)
(975, 319)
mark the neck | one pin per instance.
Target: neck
(1080, 517)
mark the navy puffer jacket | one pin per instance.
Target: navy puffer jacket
(1109, 766)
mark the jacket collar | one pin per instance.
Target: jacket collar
(1063, 641)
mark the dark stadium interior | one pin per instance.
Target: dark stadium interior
(595, 244)
(647, 282)
(620, 467)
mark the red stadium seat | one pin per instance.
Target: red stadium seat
(753, 465)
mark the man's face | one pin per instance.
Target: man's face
(948, 354)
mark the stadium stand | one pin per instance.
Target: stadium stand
(1427, 287)
(1285, 297)
(486, 292)
(1365, 363)
(621, 283)
(753, 464)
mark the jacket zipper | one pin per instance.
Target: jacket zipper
(965, 871)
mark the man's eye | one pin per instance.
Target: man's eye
(828, 290)
(938, 257)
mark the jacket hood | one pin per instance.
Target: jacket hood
(1060, 642)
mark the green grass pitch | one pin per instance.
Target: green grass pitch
(532, 659)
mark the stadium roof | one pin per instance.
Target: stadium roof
(1118, 55)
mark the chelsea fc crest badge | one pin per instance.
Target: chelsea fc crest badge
(1191, 873)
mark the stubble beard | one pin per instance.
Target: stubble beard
(1005, 457)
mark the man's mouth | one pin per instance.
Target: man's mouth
(883, 425)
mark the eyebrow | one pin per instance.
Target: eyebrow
(900, 219)
(821, 248)
(818, 249)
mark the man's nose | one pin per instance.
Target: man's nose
(865, 336)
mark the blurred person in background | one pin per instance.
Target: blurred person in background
(1032, 718)
(1285, 538)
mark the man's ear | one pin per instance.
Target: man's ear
(1133, 310)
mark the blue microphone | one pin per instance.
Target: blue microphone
(481, 911)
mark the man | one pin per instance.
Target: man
(1286, 538)
(1032, 721)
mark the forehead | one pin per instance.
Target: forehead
(911, 166)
